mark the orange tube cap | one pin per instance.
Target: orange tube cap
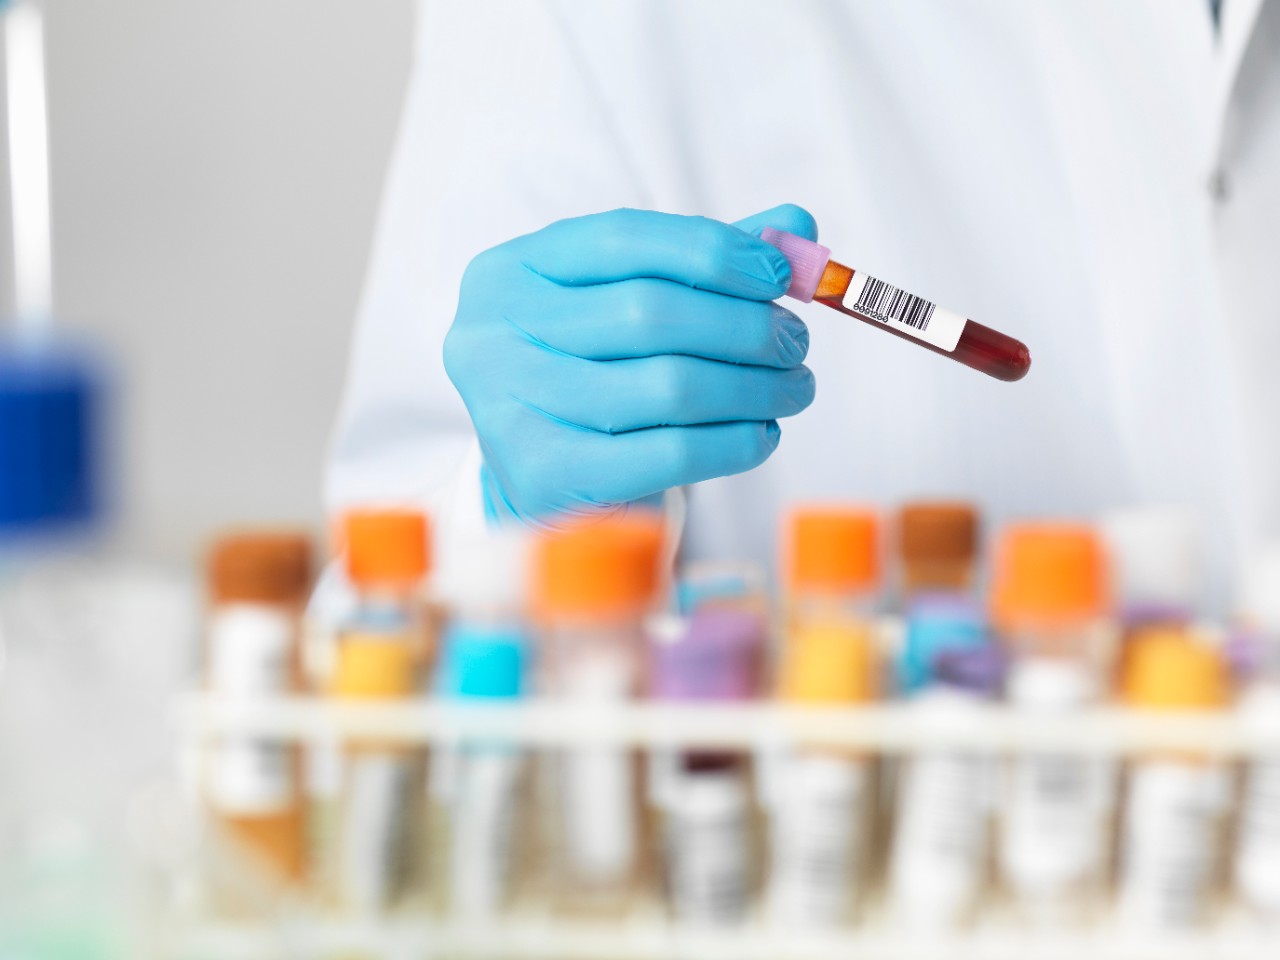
(1048, 574)
(833, 548)
(386, 546)
(601, 566)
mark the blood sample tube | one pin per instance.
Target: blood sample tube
(387, 557)
(815, 276)
(1050, 604)
(1173, 828)
(704, 800)
(485, 662)
(938, 862)
(822, 799)
(258, 585)
(593, 584)
(480, 785)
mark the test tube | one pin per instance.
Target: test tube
(483, 784)
(815, 276)
(593, 584)
(705, 802)
(938, 545)
(1156, 570)
(258, 584)
(822, 801)
(1050, 600)
(942, 832)
(1256, 864)
(1172, 832)
(378, 659)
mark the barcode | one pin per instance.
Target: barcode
(884, 302)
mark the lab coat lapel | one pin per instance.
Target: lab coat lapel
(1238, 20)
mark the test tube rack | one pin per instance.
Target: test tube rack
(890, 729)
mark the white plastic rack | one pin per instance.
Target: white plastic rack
(890, 728)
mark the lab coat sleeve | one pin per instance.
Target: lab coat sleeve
(503, 131)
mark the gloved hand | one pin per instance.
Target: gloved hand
(606, 358)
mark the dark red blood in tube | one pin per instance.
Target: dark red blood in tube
(985, 350)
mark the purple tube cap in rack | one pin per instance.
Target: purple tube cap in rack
(715, 656)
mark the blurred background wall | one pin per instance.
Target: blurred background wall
(216, 171)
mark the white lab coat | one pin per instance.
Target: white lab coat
(1099, 178)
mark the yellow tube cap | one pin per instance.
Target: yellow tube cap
(374, 667)
(1168, 669)
(829, 663)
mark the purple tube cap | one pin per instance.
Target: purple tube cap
(718, 657)
(807, 259)
(951, 606)
(979, 670)
(1245, 653)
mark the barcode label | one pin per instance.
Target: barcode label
(884, 301)
(904, 312)
(1171, 829)
(820, 837)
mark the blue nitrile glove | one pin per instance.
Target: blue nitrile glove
(607, 358)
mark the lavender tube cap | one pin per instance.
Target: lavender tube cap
(808, 260)
(979, 670)
(717, 657)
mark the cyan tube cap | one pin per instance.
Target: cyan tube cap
(720, 583)
(484, 661)
(937, 623)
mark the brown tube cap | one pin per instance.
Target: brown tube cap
(937, 532)
(260, 567)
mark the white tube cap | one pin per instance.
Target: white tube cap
(1156, 558)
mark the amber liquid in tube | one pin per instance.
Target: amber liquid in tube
(986, 350)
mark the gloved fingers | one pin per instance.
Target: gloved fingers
(626, 244)
(786, 217)
(646, 318)
(622, 395)
(617, 469)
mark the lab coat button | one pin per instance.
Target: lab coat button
(1220, 186)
